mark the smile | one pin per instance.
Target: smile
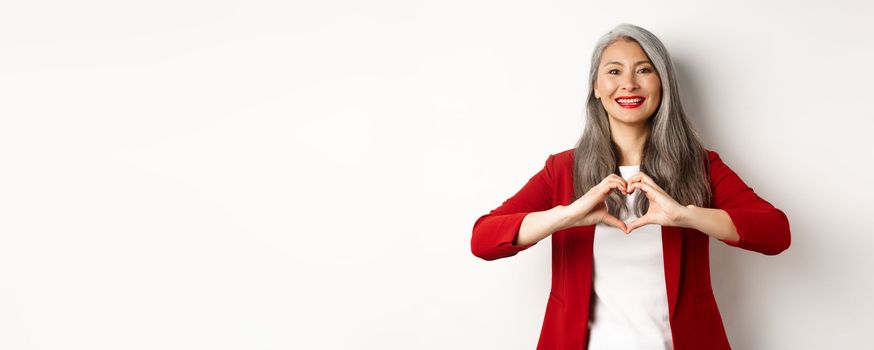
(630, 101)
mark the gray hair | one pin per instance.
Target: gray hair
(673, 154)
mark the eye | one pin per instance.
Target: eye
(612, 70)
(645, 70)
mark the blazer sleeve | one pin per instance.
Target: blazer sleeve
(494, 233)
(761, 227)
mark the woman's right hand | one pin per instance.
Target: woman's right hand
(590, 208)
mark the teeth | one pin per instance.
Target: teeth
(630, 100)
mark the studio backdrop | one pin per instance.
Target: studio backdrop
(306, 175)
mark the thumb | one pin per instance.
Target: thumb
(643, 220)
(613, 221)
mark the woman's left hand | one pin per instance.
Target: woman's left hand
(663, 210)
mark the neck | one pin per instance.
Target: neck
(630, 140)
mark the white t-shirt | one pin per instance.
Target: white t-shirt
(629, 307)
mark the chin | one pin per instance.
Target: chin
(632, 119)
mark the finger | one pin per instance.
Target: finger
(643, 220)
(647, 189)
(639, 177)
(610, 185)
(613, 221)
(595, 195)
(641, 174)
(633, 180)
(622, 186)
(642, 177)
(615, 178)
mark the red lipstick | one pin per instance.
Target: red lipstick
(630, 101)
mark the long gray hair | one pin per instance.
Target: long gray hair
(673, 154)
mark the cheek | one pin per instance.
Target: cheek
(654, 84)
(605, 85)
(656, 89)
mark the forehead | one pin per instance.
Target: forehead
(624, 52)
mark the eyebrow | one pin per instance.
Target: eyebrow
(620, 63)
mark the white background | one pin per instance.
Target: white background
(276, 175)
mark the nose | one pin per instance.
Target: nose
(628, 82)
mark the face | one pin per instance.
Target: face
(626, 76)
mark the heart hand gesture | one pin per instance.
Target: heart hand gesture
(663, 210)
(590, 208)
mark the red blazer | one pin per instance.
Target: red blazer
(694, 316)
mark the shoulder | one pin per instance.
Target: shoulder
(711, 154)
(563, 159)
(714, 157)
(558, 162)
(568, 155)
(565, 155)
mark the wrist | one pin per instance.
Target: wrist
(561, 217)
(684, 217)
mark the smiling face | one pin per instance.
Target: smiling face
(627, 83)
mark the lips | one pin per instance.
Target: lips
(630, 101)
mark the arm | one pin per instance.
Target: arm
(497, 234)
(715, 223)
(756, 224)
(540, 224)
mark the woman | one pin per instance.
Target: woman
(630, 211)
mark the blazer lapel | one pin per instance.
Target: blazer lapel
(672, 247)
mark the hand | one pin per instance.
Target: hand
(590, 208)
(663, 210)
